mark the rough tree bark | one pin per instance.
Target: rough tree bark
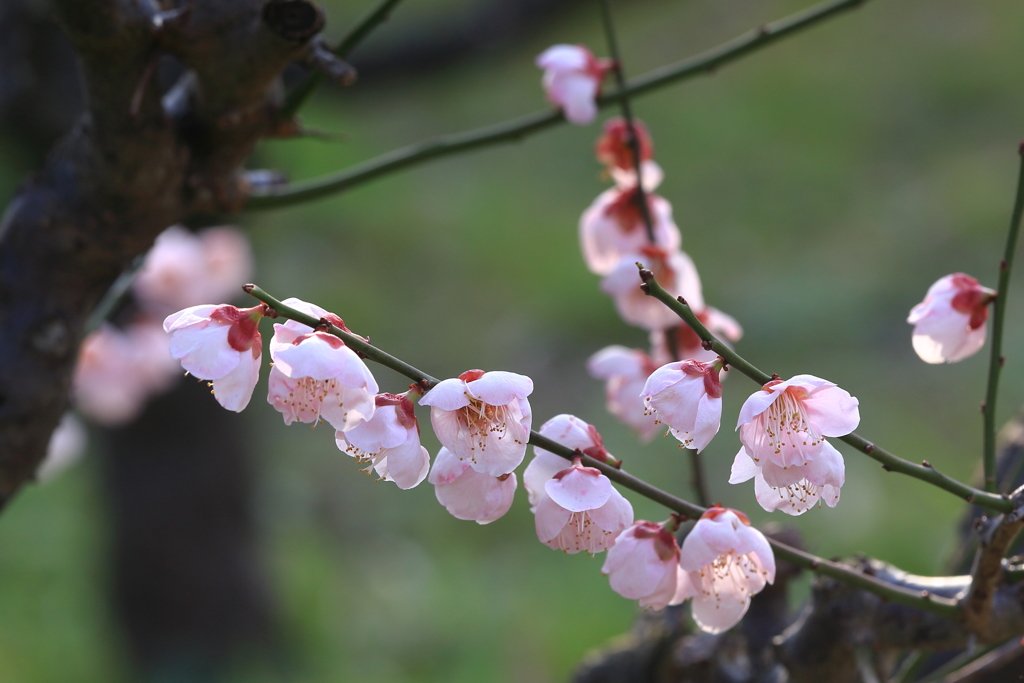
(136, 162)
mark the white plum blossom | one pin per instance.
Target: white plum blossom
(571, 432)
(728, 562)
(389, 441)
(613, 227)
(581, 511)
(783, 428)
(949, 325)
(483, 417)
(572, 80)
(468, 494)
(219, 343)
(614, 151)
(644, 565)
(687, 396)
(625, 372)
(315, 375)
(674, 271)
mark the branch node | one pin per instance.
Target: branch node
(925, 463)
(869, 448)
(707, 344)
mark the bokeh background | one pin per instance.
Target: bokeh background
(821, 185)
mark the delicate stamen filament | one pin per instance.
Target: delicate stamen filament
(786, 418)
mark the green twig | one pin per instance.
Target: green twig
(517, 129)
(905, 596)
(998, 318)
(298, 96)
(890, 463)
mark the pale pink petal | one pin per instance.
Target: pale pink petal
(347, 407)
(719, 606)
(314, 357)
(830, 494)
(756, 403)
(828, 468)
(550, 519)
(579, 489)
(614, 516)
(498, 388)
(795, 499)
(750, 540)
(446, 469)
(304, 307)
(575, 93)
(564, 57)
(382, 431)
(543, 466)
(234, 390)
(709, 419)
(743, 468)
(615, 360)
(407, 465)
(466, 493)
(449, 394)
(832, 411)
(189, 316)
(204, 351)
(568, 430)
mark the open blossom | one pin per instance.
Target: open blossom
(118, 370)
(674, 271)
(572, 80)
(644, 565)
(625, 371)
(728, 561)
(316, 375)
(571, 432)
(468, 494)
(483, 417)
(613, 149)
(389, 441)
(222, 344)
(688, 345)
(184, 268)
(687, 396)
(613, 227)
(783, 428)
(581, 511)
(949, 325)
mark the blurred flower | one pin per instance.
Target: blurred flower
(316, 375)
(644, 565)
(949, 325)
(483, 417)
(614, 151)
(625, 371)
(572, 80)
(118, 370)
(581, 511)
(728, 561)
(222, 344)
(687, 396)
(686, 342)
(389, 441)
(67, 444)
(783, 428)
(468, 494)
(674, 271)
(184, 268)
(612, 227)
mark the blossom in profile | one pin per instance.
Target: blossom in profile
(674, 271)
(483, 417)
(222, 344)
(783, 429)
(686, 396)
(728, 561)
(572, 80)
(613, 227)
(389, 441)
(644, 565)
(571, 432)
(949, 325)
(581, 511)
(613, 149)
(468, 494)
(625, 372)
(315, 375)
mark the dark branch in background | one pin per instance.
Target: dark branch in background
(517, 129)
(998, 318)
(130, 168)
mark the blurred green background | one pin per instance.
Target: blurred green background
(821, 185)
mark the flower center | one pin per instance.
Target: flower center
(785, 426)
(482, 420)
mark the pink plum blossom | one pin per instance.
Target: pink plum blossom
(315, 375)
(219, 343)
(613, 227)
(614, 151)
(572, 80)
(644, 565)
(581, 511)
(625, 371)
(687, 396)
(728, 561)
(389, 441)
(184, 268)
(674, 271)
(468, 494)
(783, 428)
(571, 432)
(949, 325)
(483, 417)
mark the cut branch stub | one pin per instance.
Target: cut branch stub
(295, 20)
